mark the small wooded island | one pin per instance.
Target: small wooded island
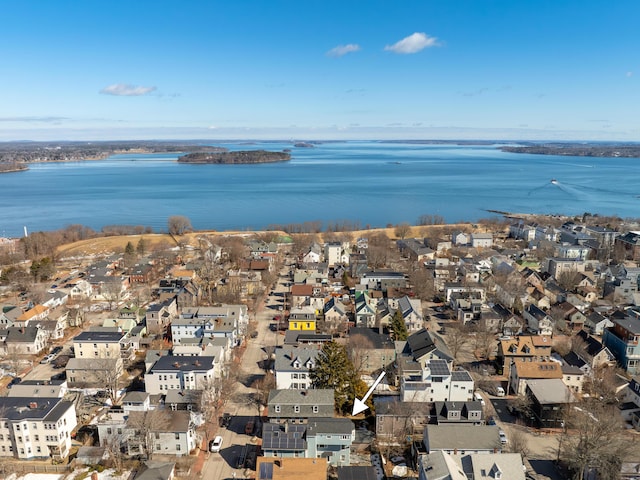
(233, 158)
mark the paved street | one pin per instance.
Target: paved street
(222, 466)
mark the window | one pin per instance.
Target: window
(158, 446)
(36, 438)
(177, 447)
(276, 408)
(157, 436)
(315, 409)
(296, 409)
(38, 450)
(177, 436)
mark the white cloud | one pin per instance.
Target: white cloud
(413, 44)
(126, 90)
(342, 50)
(629, 74)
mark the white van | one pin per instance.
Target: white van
(478, 398)
(500, 391)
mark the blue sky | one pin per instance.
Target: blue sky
(307, 69)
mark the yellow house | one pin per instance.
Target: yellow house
(303, 318)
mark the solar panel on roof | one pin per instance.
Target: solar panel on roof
(439, 367)
(266, 471)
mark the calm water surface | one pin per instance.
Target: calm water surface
(369, 182)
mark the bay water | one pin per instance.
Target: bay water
(372, 183)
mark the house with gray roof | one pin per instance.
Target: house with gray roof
(151, 470)
(181, 373)
(395, 419)
(439, 465)
(48, 422)
(223, 321)
(458, 413)
(424, 345)
(456, 438)
(300, 406)
(549, 399)
(329, 438)
(9, 315)
(436, 382)
(29, 340)
(373, 349)
(93, 372)
(623, 341)
(292, 365)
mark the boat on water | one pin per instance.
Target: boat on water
(554, 181)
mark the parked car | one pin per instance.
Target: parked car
(503, 437)
(14, 381)
(478, 398)
(224, 420)
(253, 334)
(56, 350)
(249, 427)
(216, 444)
(491, 420)
(61, 361)
(48, 358)
(500, 391)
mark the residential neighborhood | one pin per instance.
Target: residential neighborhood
(480, 351)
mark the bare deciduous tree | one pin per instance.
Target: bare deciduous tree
(359, 349)
(457, 338)
(593, 439)
(402, 230)
(518, 442)
(144, 424)
(179, 225)
(263, 386)
(112, 291)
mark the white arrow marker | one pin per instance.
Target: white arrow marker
(358, 405)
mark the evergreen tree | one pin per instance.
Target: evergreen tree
(334, 370)
(129, 255)
(141, 248)
(129, 250)
(398, 326)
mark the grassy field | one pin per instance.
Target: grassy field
(108, 245)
